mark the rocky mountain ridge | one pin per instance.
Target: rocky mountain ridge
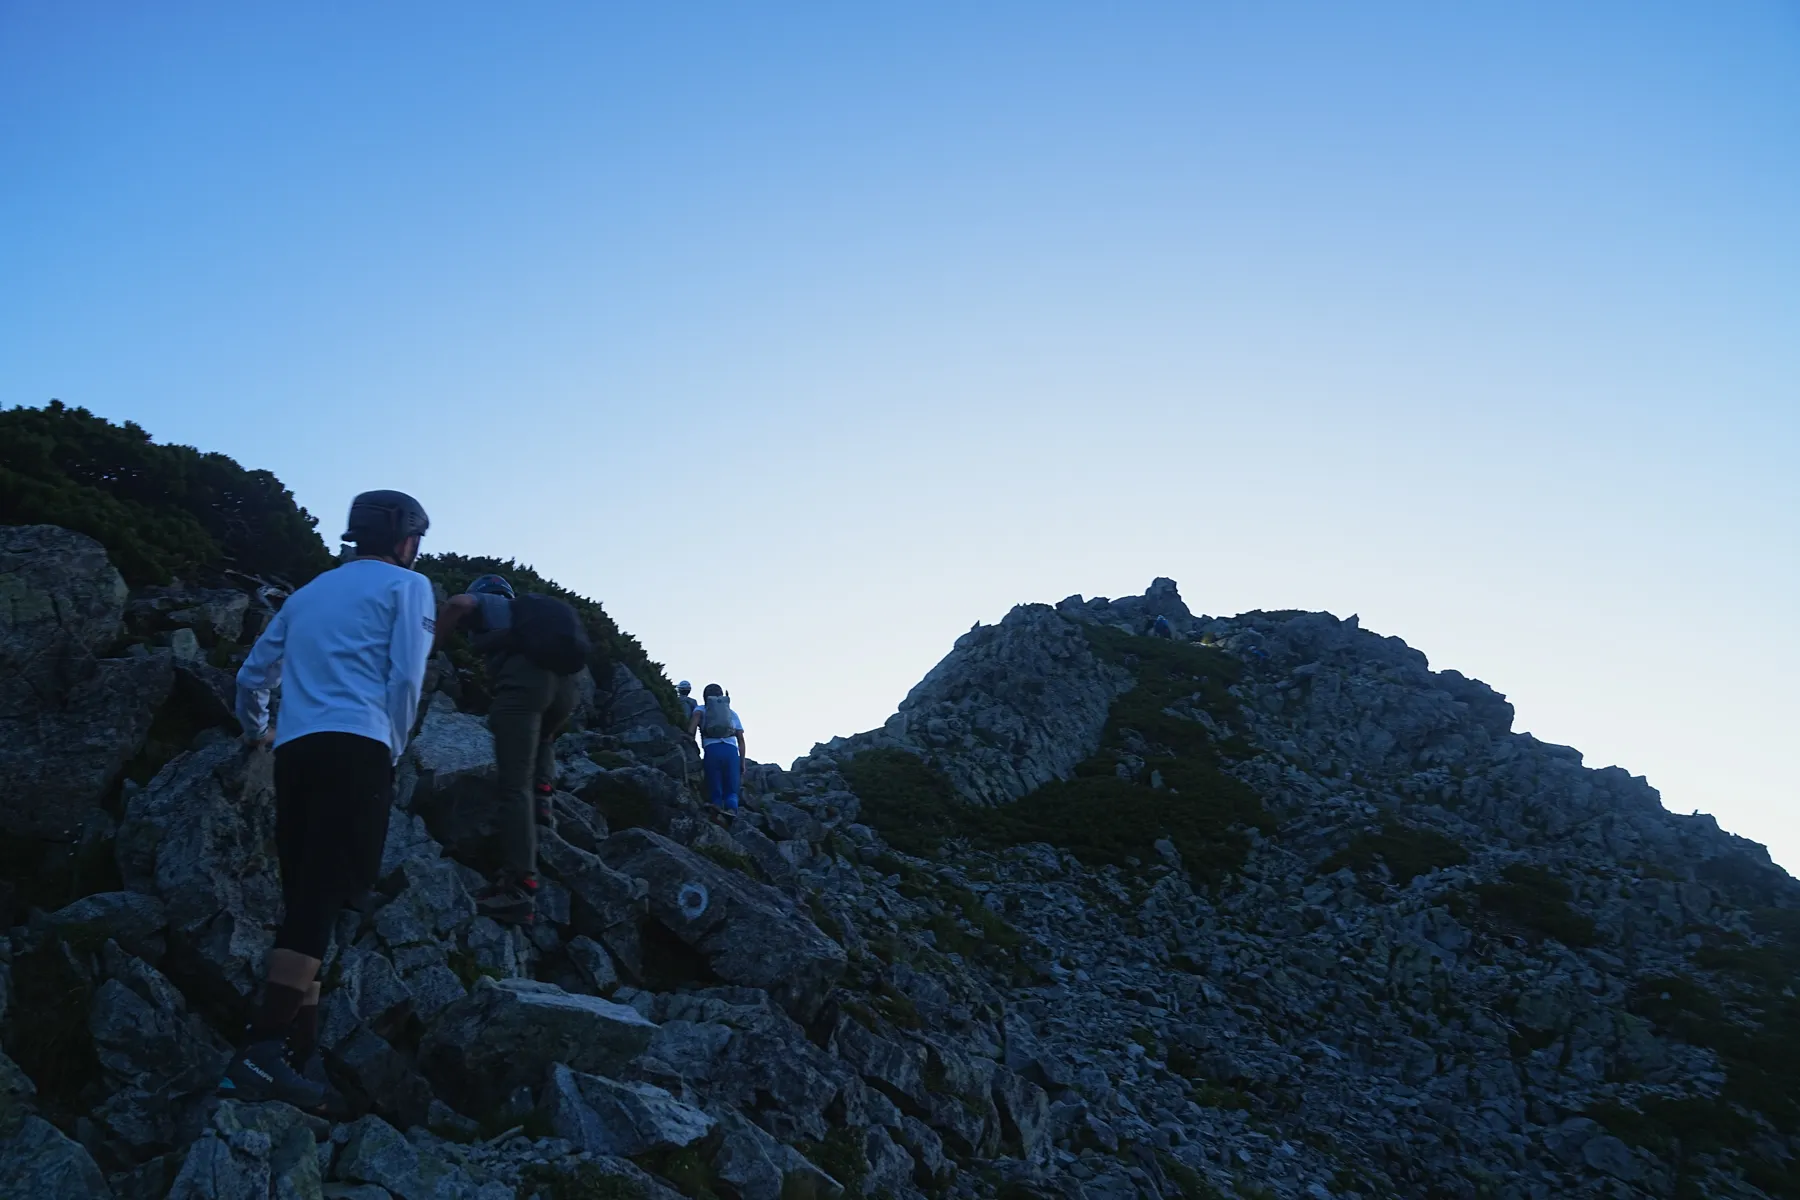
(1269, 909)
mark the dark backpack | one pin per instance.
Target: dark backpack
(549, 633)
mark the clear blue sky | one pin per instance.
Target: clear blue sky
(806, 337)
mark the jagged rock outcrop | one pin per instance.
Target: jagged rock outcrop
(17, 1098)
(70, 717)
(212, 615)
(605, 1116)
(1450, 953)
(64, 604)
(453, 753)
(757, 1167)
(636, 719)
(747, 933)
(201, 839)
(252, 1152)
(1133, 614)
(160, 1061)
(135, 920)
(1011, 708)
(607, 908)
(508, 1034)
(39, 1160)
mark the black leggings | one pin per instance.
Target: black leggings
(332, 796)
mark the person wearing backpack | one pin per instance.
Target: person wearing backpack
(722, 744)
(535, 647)
(1161, 628)
(685, 691)
(348, 654)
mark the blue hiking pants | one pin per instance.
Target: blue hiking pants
(723, 773)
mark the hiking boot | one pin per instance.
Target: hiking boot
(509, 901)
(335, 1105)
(546, 812)
(261, 1071)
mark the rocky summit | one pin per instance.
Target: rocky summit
(1265, 909)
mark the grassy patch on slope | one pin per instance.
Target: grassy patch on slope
(1751, 1020)
(1537, 902)
(1755, 1031)
(911, 802)
(584, 1181)
(840, 1156)
(1408, 852)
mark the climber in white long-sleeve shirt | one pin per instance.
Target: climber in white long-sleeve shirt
(348, 652)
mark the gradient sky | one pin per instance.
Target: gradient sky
(805, 338)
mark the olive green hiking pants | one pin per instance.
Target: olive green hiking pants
(529, 708)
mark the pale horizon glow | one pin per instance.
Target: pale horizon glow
(805, 338)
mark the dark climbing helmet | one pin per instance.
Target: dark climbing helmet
(385, 518)
(684, 687)
(491, 585)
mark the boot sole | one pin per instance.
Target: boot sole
(259, 1093)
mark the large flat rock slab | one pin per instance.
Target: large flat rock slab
(507, 1034)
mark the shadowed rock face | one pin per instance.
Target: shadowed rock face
(40, 1161)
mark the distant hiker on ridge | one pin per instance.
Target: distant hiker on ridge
(348, 652)
(684, 692)
(722, 744)
(1161, 628)
(535, 647)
